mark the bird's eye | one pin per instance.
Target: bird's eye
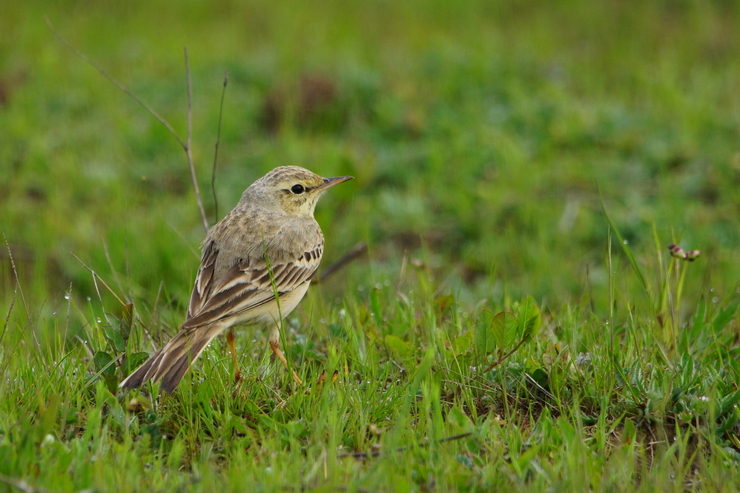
(297, 189)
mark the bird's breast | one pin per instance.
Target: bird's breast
(271, 313)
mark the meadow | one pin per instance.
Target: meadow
(517, 322)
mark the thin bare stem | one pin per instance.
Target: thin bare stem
(17, 280)
(69, 310)
(218, 141)
(356, 252)
(19, 289)
(185, 145)
(96, 276)
(116, 83)
(112, 268)
(505, 356)
(185, 241)
(188, 148)
(7, 319)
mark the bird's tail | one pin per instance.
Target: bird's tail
(170, 363)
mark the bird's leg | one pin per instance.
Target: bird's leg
(275, 346)
(276, 350)
(232, 348)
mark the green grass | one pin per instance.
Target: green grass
(520, 169)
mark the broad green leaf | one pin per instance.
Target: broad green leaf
(457, 417)
(400, 349)
(111, 383)
(112, 332)
(102, 362)
(127, 317)
(463, 342)
(530, 318)
(541, 377)
(725, 316)
(484, 338)
(494, 332)
(501, 329)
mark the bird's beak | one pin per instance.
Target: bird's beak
(330, 182)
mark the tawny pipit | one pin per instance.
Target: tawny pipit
(270, 242)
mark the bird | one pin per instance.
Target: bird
(256, 266)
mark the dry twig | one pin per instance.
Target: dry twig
(356, 252)
(185, 145)
(96, 277)
(218, 141)
(17, 279)
(188, 148)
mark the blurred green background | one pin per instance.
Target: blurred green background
(477, 132)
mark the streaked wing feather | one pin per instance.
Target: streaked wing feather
(204, 279)
(245, 287)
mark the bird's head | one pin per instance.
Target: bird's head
(291, 189)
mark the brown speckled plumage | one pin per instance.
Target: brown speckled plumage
(270, 236)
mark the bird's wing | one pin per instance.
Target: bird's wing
(204, 281)
(246, 285)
